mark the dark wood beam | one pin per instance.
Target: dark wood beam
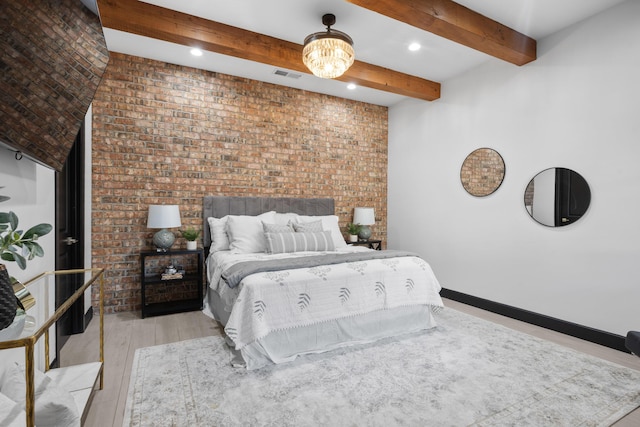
(457, 23)
(148, 20)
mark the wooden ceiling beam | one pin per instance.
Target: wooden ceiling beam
(149, 20)
(460, 24)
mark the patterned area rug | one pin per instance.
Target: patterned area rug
(467, 371)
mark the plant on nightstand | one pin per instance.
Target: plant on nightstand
(353, 230)
(190, 235)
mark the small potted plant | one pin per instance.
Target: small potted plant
(353, 230)
(17, 246)
(190, 235)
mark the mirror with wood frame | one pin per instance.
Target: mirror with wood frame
(482, 172)
(557, 197)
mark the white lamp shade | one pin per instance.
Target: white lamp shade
(364, 216)
(163, 216)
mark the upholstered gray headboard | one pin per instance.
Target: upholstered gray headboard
(219, 206)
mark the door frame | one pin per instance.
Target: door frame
(70, 207)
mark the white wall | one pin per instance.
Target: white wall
(32, 191)
(31, 188)
(577, 106)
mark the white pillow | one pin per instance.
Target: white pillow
(54, 406)
(246, 234)
(330, 223)
(284, 218)
(11, 414)
(13, 383)
(219, 238)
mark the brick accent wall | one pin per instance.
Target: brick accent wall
(168, 134)
(52, 56)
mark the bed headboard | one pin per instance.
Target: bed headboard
(219, 206)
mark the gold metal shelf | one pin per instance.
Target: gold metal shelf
(29, 342)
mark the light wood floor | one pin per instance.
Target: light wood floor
(126, 332)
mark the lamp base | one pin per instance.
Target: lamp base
(163, 240)
(365, 232)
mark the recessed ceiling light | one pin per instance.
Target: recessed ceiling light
(196, 52)
(351, 86)
(413, 47)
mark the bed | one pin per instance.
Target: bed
(283, 282)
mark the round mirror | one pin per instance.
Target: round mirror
(482, 172)
(557, 197)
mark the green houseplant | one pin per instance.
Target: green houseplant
(17, 246)
(353, 230)
(190, 235)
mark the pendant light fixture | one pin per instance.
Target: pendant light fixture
(330, 53)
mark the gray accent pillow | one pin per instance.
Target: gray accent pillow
(308, 227)
(278, 243)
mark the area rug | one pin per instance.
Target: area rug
(466, 371)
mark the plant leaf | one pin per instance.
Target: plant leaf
(26, 250)
(13, 220)
(37, 231)
(4, 217)
(7, 256)
(36, 249)
(19, 259)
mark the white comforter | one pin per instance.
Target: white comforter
(272, 301)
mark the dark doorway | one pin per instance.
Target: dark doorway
(573, 196)
(70, 240)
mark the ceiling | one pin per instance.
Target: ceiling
(380, 42)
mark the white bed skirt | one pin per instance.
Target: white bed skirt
(285, 345)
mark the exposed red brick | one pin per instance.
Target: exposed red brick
(167, 134)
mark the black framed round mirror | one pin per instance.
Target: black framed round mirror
(557, 197)
(482, 172)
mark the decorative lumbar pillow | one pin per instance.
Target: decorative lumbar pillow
(219, 238)
(53, 406)
(278, 243)
(276, 228)
(308, 227)
(330, 223)
(11, 414)
(246, 234)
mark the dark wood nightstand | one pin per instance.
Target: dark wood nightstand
(165, 294)
(371, 244)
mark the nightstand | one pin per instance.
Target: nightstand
(171, 293)
(371, 244)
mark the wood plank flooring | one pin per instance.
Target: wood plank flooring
(126, 332)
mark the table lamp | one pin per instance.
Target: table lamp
(163, 217)
(365, 217)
